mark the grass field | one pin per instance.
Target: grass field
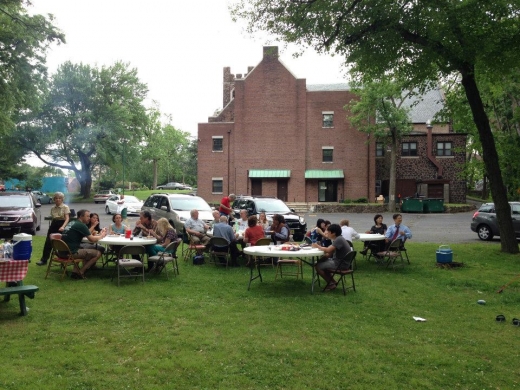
(204, 330)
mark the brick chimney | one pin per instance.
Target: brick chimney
(270, 52)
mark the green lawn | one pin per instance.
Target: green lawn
(203, 329)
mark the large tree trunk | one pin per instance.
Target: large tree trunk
(489, 155)
(155, 169)
(393, 171)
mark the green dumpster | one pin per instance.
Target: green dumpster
(433, 205)
(412, 205)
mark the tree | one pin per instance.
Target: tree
(88, 116)
(165, 147)
(24, 41)
(419, 40)
(379, 111)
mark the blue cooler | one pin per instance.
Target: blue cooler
(444, 254)
(22, 246)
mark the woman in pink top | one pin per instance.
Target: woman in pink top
(254, 232)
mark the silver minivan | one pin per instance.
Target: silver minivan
(176, 209)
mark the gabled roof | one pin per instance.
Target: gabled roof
(429, 104)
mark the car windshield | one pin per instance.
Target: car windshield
(15, 201)
(131, 199)
(274, 206)
(189, 203)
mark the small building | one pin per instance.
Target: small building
(278, 136)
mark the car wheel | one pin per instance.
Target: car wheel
(484, 233)
(50, 200)
(107, 210)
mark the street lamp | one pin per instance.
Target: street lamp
(124, 164)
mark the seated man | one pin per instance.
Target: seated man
(339, 249)
(222, 229)
(197, 228)
(397, 230)
(72, 236)
(242, 222)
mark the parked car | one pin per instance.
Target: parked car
(132, 204)
(485, 223)
(42, 197)
(102, 196)
(19, 213)
(176, 208)
(271, 206)
(172, 186)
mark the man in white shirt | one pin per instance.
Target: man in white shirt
(242, 222)
(197, 228)
(347, 232)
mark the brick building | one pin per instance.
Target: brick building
(278, 136)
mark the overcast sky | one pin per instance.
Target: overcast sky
(178, 46)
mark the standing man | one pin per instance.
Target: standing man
(197, 228)
(397, 230)
(72, 236)
(225, 205)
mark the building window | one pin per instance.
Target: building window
(218, 144)
(328, 119)
(217, 185)
(380, 149)
(327, 154)
(444, 149)
(409, 149)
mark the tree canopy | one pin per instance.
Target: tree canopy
(379, 111)
(24, 40)
(86, 117)
(419, 40)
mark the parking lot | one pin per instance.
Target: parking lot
(439, 228)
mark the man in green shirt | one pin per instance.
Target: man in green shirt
(73, 235)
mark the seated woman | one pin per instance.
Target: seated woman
(95, 230)
(254, 232)
(326, 241)
(279, 231)
(318, 232)
(117, 227)
(263, 222)
(165, 234)
(378, 228)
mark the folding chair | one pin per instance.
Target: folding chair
(266, 241)
(392, 253)
(127, 265)
(192, 248)
(219, 251)
(345, 267)
(162, 259)
(295, 268)
(61, 257)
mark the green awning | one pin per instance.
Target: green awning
(324, 174)
(268, 173)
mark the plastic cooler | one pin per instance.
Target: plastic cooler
(444, 254)
(22, 246)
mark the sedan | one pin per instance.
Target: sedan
(132, 204)
(42, 197)
(102, 196)
(172, 186)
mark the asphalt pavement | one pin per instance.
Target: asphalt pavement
(440, 228)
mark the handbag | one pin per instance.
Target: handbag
(198, 259)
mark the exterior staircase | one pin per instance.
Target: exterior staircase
(298, 207)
